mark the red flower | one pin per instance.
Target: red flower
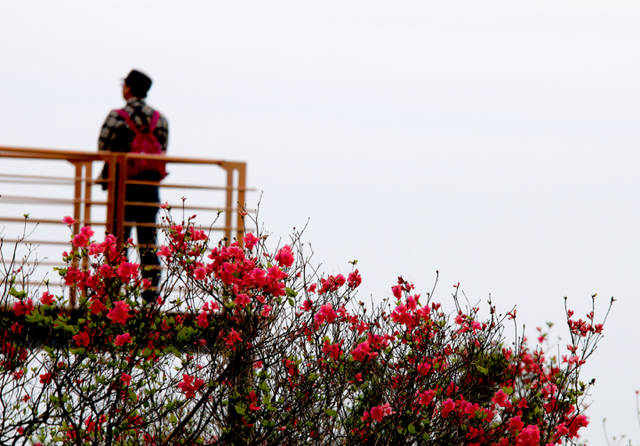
(501, 399)
(515, 424)
(47, 298)
(530, 436)
(250, 240)
(577, 423)
(82, 339)
(68, 220)
(379, 412)
(119, 313)
(80, 241)
(97, 307)
(190, 385)
(242, 299)
(200, 273)
(126, 379)
(202, 319)
(285, 256)
(232, 338)
(45, 378)
(127, 270)
(447, 407)
(333, 350)
(22, 307)
(425, 398)
(424, 368)
(325, 314)
(266, 310)
(354, 279)
(122, 339)
(363, 352)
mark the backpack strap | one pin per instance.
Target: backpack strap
(124, 115)
(154, 121)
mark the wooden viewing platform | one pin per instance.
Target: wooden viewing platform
(63, 182)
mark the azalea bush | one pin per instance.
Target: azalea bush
(251, 345)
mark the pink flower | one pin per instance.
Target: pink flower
(447, 407)
(577, 423)
(515, 424)
(379, 412)
(325, 314)
(119, 313)
(202, 319)
(266, 310)
(423, 368)
(87, 231)
(126, 379)
(80, 241)
(200, 273)
(501, 399)
(250, 241)
(127, 270)
(363, 352)
(354, 279)
(333, 350)
(285, 256)
(164, 251)
(122, 339)
(97, 307)
(425, 398)
(232, 338)
(242, 300)
(529, 436)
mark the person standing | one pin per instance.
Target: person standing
(139, 128)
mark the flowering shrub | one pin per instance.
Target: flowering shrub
(248, 346)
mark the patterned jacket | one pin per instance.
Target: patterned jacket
(116, 136)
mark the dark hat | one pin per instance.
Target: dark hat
(138, 82)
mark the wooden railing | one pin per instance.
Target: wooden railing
(64, 182)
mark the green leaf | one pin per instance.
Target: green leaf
(331, 412)
(17, 294)
(412, 429)
(240, 409)
(290, 292)
(507, 390)
(34, 317)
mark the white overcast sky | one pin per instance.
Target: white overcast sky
(495, 141)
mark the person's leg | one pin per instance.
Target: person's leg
(147, 237)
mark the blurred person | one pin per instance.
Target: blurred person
(138, 128)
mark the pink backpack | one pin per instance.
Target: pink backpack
(144, 143)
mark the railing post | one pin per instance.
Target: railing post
(121, 179)
(77, 200)
(88, 182)
(242, 180)
(229, 203)
(111, 194)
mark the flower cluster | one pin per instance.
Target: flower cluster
(248, 346)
